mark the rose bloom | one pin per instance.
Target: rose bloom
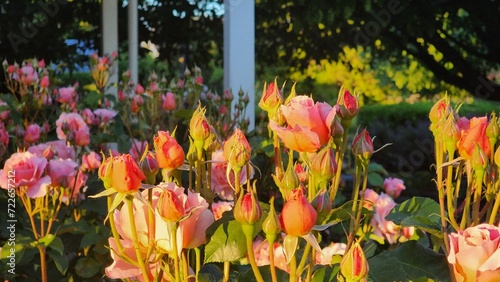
(89, 117)
(475, 253)
(308, 124)
(90, 161)
(325, 258)
(383, 227)
(4, 114)
(4, 136)
(219, 182)
(59, 170)
(218, 208)
(67, 95)
(28, 75)
(169, 154)
(475, 134)
(261, 252)
(137, 149)
(105, 116)
(28, 171)
(168, 101)
(125, 174)
(370, 198)
(393, 186)
(32, 133)
(58, 148)
(71, 123)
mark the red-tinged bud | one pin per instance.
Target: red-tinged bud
(337, 131)
(126, 176)
(441, 108)
(362, 146)
(41, 63)
(322, 205)
(271, 99)
(169, 154)
(139, 90)
(198, 80)
(237, 150)
(49, 153)
(169, 102)
(11, 69)
(150, 167)
(247, 209)
(479, 160)
(170, 207)
(227, 96)
(348, 105)
(354, 266)
(408, 231)
(298, 216)
(492, 130)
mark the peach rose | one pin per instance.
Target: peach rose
(475, 253)
(308, 124)
(298, 216)
(56, 148)
(169, 154)
(393, 186)
(219, 182)
(26, 169)
(383, 227)
(475, 134)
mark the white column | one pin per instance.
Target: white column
(239, 51)
(109, 16)
(133, 40)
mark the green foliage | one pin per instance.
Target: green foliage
(409, 262)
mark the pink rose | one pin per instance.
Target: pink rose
(383, 227)
(218, 208)
(308, 124)
(76, 181)
(90, 161)
(28, 75)
(32, 133)
(137, 149)
(329, 251)
(45, 82)
(89, 117)
(393, 186)
(27, 170)
(475, 253)
(59, 170)
(168, 101)
(4, 136)
(219, 182)
(261, 252)
(71, 127)
(4, 112)
(370, 198)
(67, 95)
(53, 148)
(105, 116)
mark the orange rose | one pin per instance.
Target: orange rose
(298, 216)
(475, 134)
(169, 153)
(126, 176)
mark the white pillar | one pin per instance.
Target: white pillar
(133, 40)
(239, 51)
(109, 16)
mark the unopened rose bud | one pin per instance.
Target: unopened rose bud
(298, 216)
(441, 108)
(237, 151)
(150, 168)
(322, 205)
(247, 209)
(362, 146)
(271, 225)
(479, 160)
(169, 154)
(354, 266)
(451, 134)
(170, 207)
(322, 164)
(348, 107)
(271, 99)
(139, 90)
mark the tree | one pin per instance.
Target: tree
(456, 40)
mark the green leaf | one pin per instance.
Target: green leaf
(408, 262)
(184, 114)
(87, 267)
(60, 261)
(57, 245)
(423, 213)
(375, 167)
(374, 179)
(326, 273)
(227, 242)
(265, 271)
(89, 239)
(342, 213)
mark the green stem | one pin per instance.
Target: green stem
(440, 188)
(477, 197)
(175, 252)
(494, 211)
(248, 230)
(272, 266)
(354, 209)
(303, 260)
(340, 160)
(278, 166)
(137, 247)
(450, 198)
(293, 269)
(198, 261)
(465, 214)
(227, 267)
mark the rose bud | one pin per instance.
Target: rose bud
(298, 216)
(354, 265)
(169, 154)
